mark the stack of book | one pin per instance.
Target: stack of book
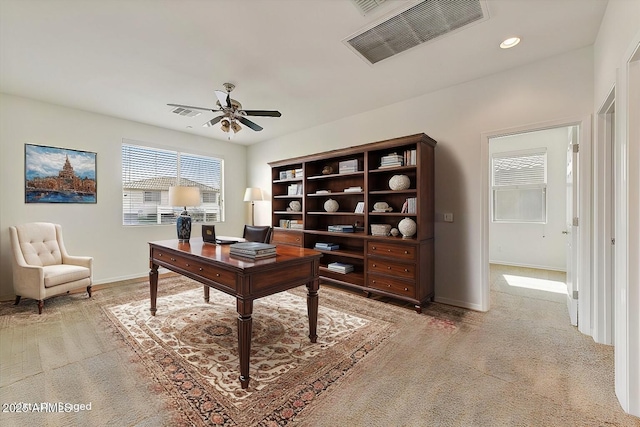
(326, 246)
(348, 166)
(392, 160)
(291, 223)
(252, 250)
(340, 267)
(341, 228)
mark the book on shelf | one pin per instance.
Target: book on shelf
(323, 191)
(291, 223)
(294, 189)
(391, 160)
(326, 246)
(410, 157)
(347, 166)
(410, 205)
(341, 228)
(340, 267)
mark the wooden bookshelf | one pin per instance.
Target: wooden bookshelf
(397, 267)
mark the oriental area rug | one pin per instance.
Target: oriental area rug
(190, 349)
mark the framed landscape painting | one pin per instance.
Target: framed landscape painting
(59, 175)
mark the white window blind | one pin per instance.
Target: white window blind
(147, 174)
(519, 184)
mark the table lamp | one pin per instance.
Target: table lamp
(252, 195)
(184, 196)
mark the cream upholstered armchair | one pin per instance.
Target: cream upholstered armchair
(42, 267)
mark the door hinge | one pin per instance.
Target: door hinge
(575, 294)
(575, 221)
(613, 240)
(576, 148)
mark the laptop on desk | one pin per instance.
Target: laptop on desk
(209, 236)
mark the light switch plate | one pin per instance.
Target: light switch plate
(448, 217)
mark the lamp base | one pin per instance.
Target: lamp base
(183, 225)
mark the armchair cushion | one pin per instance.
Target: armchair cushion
(55, 275)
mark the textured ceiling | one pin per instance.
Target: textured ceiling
(128, 59)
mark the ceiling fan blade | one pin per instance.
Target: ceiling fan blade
(264, 113)
(249, 123)
(223, 98)
(212, 121)
(191, 108)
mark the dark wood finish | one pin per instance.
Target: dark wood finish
(213, 266)
(389, 266)
(287, 237)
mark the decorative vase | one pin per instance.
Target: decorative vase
(295, 206)
(407, 227)
(331, 205)
(183, 225)
(327, 170)
(394, 232)
(399, 182)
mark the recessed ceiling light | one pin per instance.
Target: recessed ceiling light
(510, 42)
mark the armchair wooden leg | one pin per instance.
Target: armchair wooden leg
(89, 290)
(17, 299)
(40, 305)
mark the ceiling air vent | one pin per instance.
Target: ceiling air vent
(420, 23)
(185, 112)
(366, 6)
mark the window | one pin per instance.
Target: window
(519, 186)
(147, 174)
(152, 196)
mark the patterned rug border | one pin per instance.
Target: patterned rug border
(183, 385)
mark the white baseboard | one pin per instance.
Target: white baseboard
(458, 303)
(539, 267)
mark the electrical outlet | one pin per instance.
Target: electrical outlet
(448, 217)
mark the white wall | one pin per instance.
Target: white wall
(545, 244)
(618, 37)
(96, 229)
(456, 117)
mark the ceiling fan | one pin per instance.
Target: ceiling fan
(232, 112)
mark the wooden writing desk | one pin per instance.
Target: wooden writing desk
(246, 280)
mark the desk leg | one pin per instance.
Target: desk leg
(153, 287)
(312, 309)
(245, 323)
(206, 293)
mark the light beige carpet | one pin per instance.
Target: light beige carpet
(521, 364)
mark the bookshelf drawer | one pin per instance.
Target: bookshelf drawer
(291, 238)
(390, 285)
(380, 266)
(392, 250)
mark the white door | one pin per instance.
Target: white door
(571, 226)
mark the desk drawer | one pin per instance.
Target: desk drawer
(391, 268)
(223, 277)
(392, 250)
(390, 285)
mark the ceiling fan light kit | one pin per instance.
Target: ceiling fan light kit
(232, 112)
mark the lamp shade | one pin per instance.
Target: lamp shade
(184, 196)
(253, 194)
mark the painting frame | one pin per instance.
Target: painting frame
(59, 175)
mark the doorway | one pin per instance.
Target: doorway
(533, 239)
(605, 208)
